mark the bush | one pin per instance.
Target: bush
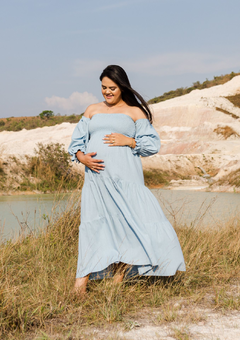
(51, 166)
(46, 114)
(2, 123)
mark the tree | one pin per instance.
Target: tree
(46, 114)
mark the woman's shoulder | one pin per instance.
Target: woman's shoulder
(137, 113)
(92, 109)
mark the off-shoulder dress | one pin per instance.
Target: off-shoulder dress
(121, 220)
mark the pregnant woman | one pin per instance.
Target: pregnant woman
(122, 224)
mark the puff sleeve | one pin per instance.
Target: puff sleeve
(80, 138)
(147, 139)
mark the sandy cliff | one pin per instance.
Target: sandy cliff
(194, 133)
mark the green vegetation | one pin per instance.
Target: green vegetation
(37, 273)
(218, 80)
(154, 178)
(46, 114)
(49, 170)
(28, 123)
(51, 167)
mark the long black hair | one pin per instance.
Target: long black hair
(129, 95)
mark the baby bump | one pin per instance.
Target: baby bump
(96, 145)
(119, 161)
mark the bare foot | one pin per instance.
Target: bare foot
(119, 270)
(80, 286)
(118, 278)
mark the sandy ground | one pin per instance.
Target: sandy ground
(213, 326)
(199, 323)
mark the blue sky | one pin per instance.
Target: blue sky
(53, 51)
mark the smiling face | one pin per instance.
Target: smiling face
(111, 91)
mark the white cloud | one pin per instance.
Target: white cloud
(76, 102)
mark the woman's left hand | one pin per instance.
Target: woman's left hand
(117, 139)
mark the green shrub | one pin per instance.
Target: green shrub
(2, 123)
(51, 166)
(46, 114)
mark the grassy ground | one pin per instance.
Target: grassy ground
(37, 274)
(28, 123)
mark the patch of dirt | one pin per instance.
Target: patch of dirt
(204, 324)
(180, 322)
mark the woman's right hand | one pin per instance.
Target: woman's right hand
(89, 161)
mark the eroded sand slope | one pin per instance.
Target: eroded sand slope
(188, 127)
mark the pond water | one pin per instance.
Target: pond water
(23, 213)
(201, 209)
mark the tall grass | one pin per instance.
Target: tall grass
(37, 274)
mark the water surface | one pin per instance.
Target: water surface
(32, 212)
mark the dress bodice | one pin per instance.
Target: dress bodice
(104, 123)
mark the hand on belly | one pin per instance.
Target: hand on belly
(91, 162)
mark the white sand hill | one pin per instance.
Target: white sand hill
(186, 126)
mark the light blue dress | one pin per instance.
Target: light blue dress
(121, 220)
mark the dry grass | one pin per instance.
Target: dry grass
(233, 179)
(227, 112)
(226, 131)
(37, 273)
(28, 123)
(154, 178)
(235, 100)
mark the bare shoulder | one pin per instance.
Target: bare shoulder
(92, 109)
(137, 113)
